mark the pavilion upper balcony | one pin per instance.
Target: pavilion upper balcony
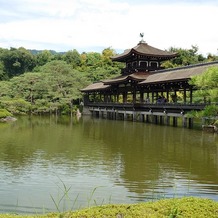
(129, 70)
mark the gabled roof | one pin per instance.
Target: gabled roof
(146, 50)
(178, 74)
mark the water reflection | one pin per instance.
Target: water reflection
(128, 161)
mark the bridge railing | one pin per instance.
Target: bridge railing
(171, 107)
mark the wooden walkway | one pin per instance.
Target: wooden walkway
(163, 114)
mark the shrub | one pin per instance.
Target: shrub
(210, 110)
(4, 113)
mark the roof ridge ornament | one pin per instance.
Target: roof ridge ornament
(142, 40)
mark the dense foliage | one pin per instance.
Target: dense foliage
(207, 88)
(49, 82)
(207, 84)
(187, 57)
(4, 113)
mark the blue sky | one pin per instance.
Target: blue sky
(92, 25)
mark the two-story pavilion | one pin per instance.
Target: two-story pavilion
(141, 61)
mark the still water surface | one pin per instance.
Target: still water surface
(74, 164)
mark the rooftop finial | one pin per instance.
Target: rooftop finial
(142, 40)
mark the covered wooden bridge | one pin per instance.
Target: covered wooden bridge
(144, 91)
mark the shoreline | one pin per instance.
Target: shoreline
(171, 208)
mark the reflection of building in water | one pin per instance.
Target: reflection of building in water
(157, 157)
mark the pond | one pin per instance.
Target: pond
(58, 163)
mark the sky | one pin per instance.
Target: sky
(93, 25)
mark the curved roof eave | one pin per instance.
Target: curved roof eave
(95, 87)
(139, 76)
(145, 50)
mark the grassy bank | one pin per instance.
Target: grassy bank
(171, 208)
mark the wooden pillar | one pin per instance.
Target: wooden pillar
(134, 116)
(103, 114)
(125, 115)
(147, 119)
(161, 120)
(141, 97)
(109, 98)
(118, 95)
(152, 100)
(184, 121)
(174, 121)
(141, 117)
(94, 97)
(185, 95)
(124, 97)
(190, 122)
(147, 95)
(134, 95)
(168, 120)
(155, 119)
(191, 95)
(115, 97)
(175, 96)
(116, 115)
(97, 114)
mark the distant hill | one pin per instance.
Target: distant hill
(35, 52)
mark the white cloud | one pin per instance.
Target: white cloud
(82, 24)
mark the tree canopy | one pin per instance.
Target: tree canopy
(207, 84)
(47, 82)
(207, 88)
(186, 57)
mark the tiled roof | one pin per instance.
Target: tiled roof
(139, 76)
(181, 73)
(144, 49)
(116, 79)
(167, 75)
(95, 86)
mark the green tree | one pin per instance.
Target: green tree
(3, 74)
(98, 66)
(64, 84)
(5, 89)
(29, 86)
(107, 53)
(211, 57)
(17, 61)
(44, 57)
(73, 58)
(207, 84)
(185, 57)
(16, 106)
(207, 88)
